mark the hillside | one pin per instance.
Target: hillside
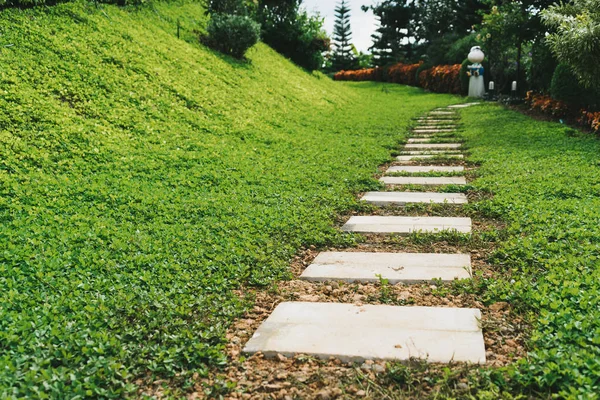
(145, 179)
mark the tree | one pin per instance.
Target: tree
(576, 41)
(506, 29)
(343, 57)
(392, 39)
(442, 25)
(292, 32)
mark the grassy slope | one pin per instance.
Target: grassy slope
(144, 178)
(546, 180)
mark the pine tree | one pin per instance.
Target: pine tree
(343, 57)
(391, 41)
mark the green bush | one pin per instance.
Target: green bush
(543, 64)
(232, 34)
(422, 67)
(566, 87)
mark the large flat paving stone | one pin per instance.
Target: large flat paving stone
(432, 146)
(434, 127)
(442, 112)
(395, 267)
(354, 333)
(419, 140)
(400, 198)
(436, 130)
(406, 225)
(463, 105)
(423, 180)
(425, 156)
(448, 152)
(425, 168)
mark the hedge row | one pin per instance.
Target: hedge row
(557, 108)
(440, 79)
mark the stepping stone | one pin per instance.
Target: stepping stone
(395, 267)
(425, 168)
(433, 130)
(430, 152)
(401, 198)
(425, 156)
(463, 105)
(406, 225)
(432, 146)
(353, 333)
(440, 112)
(423, 180)
(419, 140)
(435, 127)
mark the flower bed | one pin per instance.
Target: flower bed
(548, 105)
(440, 79)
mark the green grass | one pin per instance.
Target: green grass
(546, 181)
(144, 178)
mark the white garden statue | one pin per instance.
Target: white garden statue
(476, 85)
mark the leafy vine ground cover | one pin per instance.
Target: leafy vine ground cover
(546, 181)
(144, 178)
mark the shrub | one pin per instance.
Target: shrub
(232, 34)
(441, 79)
(547, 104)
(404, 74)
(565, 87)
(543, 65)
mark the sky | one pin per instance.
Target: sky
(363, 24)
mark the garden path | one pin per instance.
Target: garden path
(358, 332)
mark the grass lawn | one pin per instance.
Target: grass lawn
(144, 179)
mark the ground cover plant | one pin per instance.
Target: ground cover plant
(545, 178)
(144, 178)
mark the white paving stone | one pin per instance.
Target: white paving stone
(354, 333)
(432, 146)
(430, 152)
(435, 127)
(433, 130)
(406, 225)
(425, 168)
(423, 180)
(419, 140)
(395, 267)
(400, 198)
(425, 156)
(441, 112)
(463, 105)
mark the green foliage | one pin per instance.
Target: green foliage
(292, 32)
(566, 87)
(232, 34)
(144, 179)
(543, 64)
(35, 3)
(236, 7)
(390, 44)
(545, 185)
(342, 57)
(576, 40)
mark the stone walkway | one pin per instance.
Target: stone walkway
(355, 332)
